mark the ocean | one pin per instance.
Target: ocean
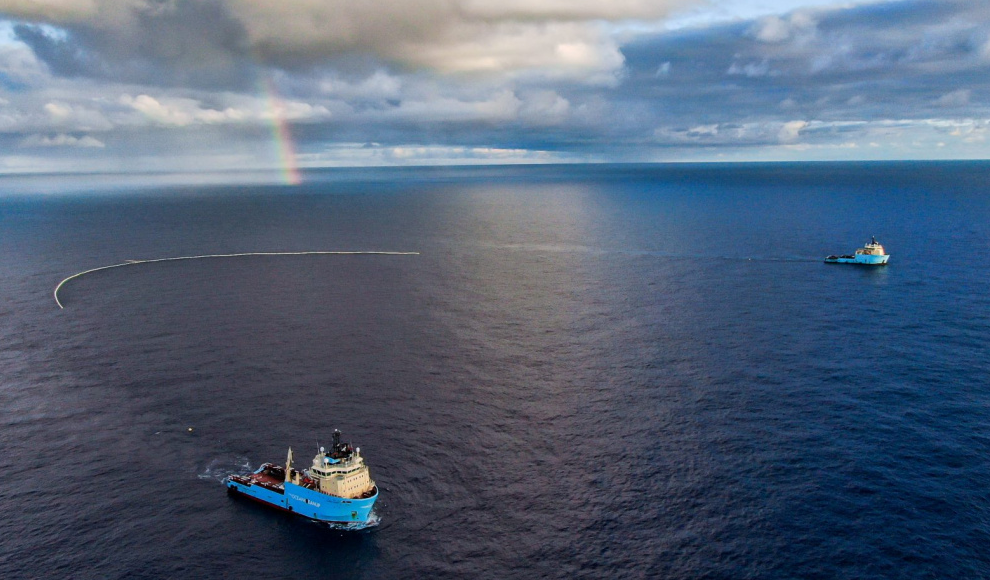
(589, 371)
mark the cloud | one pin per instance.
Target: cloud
(557, 50)
(775, 29)
(20, 67)
(957, 98)
(58, 110)
(703, 130)
(896, 59)
(168, 43)
(752, 69)
(571, 79)
(62, 57)
(428, 32)
(378, 86)
(64, 116)
(545, 108)
(182, 112)
(61, 140)
(60, 10)
(736, 134)
(791, 130)
(218, 38)
(375, 154)
(499, 107)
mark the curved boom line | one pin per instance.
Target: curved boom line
(136, 262)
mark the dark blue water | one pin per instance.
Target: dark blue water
(589, 372)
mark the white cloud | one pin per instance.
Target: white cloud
(771, 29)
(160, 113)
(791, 130)
(364, 154)
(752, 69)
(702, 130)
(966, 130)
(183, 112)
(415, 155)
(545, 108)
(573, 51)
(775, 29)
(84, 116)
(58, 111)
(741, 134)
(61, 140)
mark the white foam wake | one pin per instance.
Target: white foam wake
(219, 469)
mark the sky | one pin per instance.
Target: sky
(207, 85)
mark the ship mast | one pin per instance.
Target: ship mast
(288, 465)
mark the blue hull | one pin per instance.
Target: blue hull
(860, 260)
(308, 503)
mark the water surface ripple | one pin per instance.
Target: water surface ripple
(588, 372)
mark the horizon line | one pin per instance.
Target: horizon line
(277, 170)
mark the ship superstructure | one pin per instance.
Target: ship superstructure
(336, 488)
(872, 254)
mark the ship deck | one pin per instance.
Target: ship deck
(272, 477)
(266, 479)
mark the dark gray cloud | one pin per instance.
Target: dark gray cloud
(183, 43)
(63, 57)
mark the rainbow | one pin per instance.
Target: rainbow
(280, 133)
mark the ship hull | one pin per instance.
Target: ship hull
(308, 503)
(860, 259)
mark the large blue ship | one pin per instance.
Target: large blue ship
(337, 488)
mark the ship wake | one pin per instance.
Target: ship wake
(220, 469)
(373, 520)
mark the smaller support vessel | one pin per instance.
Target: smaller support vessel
(337, 488)
(872, 254)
